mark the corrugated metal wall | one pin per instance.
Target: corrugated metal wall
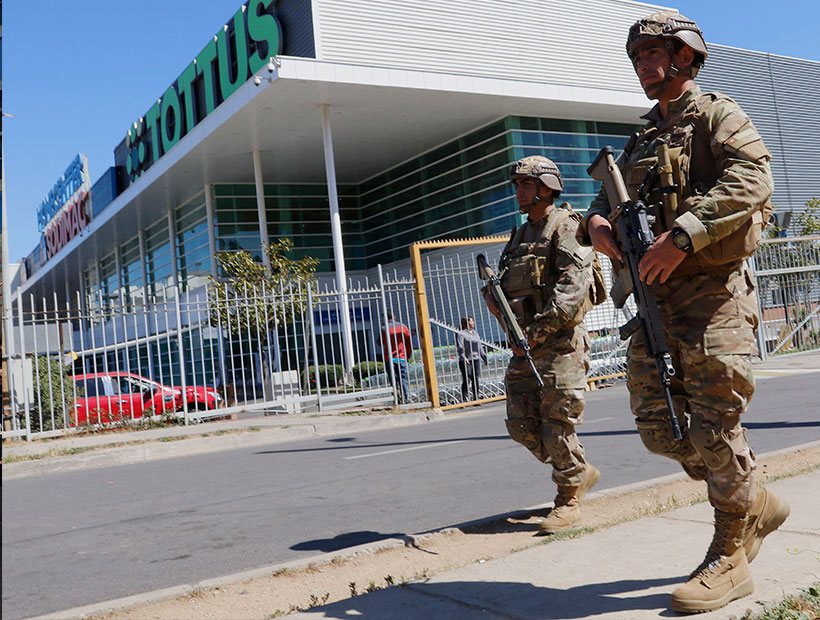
(779, 94)
(577, 43)
(567, 42)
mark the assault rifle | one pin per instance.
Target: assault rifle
(634, 233)
(509, 322)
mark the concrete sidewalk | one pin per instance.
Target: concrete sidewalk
(624, 572)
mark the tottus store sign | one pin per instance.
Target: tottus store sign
(243, 46)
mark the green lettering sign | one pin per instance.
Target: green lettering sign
(184, 86)
(170, 103)
(239, 54)
(151, 118)
(204, 67)
(262, 28)
(170, 118)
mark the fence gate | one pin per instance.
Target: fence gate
(448, 291)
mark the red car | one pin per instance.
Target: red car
(108, 397)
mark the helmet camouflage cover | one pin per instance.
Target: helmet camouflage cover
(669, 25)
(538, 167)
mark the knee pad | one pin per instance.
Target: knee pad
(657, 437)
(720, 441)
(527, 432)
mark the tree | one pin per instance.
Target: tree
(809, 219)
(793, 279)
(253, 298)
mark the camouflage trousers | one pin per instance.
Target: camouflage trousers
(544, 420)
(709, 322)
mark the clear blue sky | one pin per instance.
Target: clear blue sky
(77, 73)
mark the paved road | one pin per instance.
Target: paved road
(81, 537)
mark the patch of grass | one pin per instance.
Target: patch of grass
(173, 438)
(805, 605)
(315, 601)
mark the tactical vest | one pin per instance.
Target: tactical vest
(694, 171)
(529, 275)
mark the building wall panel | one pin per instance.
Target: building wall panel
(562, 42)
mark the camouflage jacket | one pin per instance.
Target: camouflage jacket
(547, 280)
(725, 178)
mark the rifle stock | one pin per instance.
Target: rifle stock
(510, 324)
(632, 224)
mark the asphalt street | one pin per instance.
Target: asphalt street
(80, 537)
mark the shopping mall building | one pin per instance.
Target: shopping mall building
(356, 128)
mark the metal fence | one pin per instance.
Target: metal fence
(199, 356)
(452, 288)
(788, 292)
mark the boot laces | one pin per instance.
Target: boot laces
(714, 554)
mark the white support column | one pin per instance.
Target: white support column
(143, 266)
(118, 267)
(336, 230)
(172, 242)
(209, 213)
(149, 349)
(260, 203)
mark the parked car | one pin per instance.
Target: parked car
(109, 397)
(117, 392)
(202, 397)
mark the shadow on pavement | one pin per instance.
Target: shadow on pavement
(392, 444)
(349, 539)
(459, 600)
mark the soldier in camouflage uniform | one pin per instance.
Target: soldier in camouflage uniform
(547, 277)
(711, 220)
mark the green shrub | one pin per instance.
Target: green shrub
(363, 370)
(329, 376)
(53, 394)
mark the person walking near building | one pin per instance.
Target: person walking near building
(711, 220)
(397, 347)
(547, 277)
(471, 353)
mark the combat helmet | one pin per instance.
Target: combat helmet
(540, 168)
(670, 26)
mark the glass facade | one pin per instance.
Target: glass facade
(462, 190)
(457, 190)
(192, 251)
(299, 212)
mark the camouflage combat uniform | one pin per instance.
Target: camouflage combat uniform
(708, 304)
(550, 308)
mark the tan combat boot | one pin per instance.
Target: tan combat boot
(723, 576)
(766, 515)
(566, 512)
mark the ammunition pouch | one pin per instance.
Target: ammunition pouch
(733, 248)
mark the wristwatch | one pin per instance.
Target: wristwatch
(681, 239)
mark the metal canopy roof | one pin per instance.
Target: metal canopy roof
(379, 118)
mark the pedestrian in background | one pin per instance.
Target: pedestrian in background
(471, 353)
(397, 347)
